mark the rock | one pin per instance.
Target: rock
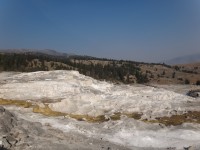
(18, 134)
(7, 121)
(194, 93)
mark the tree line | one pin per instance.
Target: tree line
(116, 71)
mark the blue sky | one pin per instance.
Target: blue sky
(141, 30)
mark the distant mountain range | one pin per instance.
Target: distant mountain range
(175, 61)
(44, 51)
(184, 59)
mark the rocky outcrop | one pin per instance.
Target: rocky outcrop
(194, 93)
(7, 122)
(19, 134)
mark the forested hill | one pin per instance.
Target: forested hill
(117, 71)
(103, 69)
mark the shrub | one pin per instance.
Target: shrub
(187, 81)
(173, 74)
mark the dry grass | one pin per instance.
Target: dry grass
(46, 111)
(135, 115)
(189, 117)
(155, 74)
(117, 116)
(191, 67)
(20, 103)
(87, 118)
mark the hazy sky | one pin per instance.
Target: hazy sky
(142, 30)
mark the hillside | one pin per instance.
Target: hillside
(162, 74)
(192, 67)
(117, 71)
